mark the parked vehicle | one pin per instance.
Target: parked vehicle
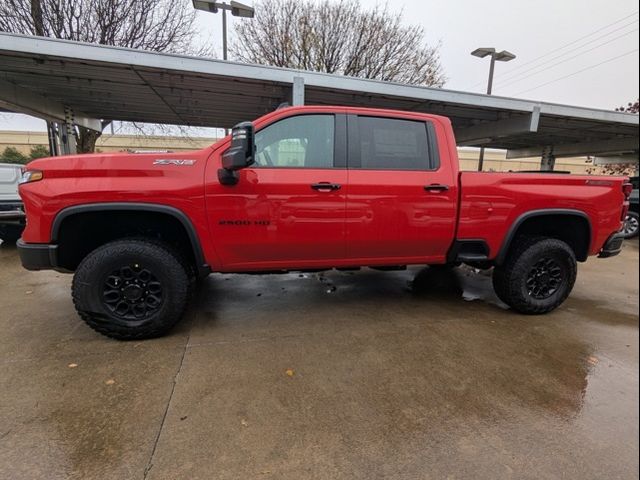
(306, 188)
(11, 210)
(632, 222)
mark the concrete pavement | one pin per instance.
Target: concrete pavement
(365, 375)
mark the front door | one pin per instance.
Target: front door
(287, 210)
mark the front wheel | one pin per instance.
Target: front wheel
(631, 225)
(538, 275)
(131, 289)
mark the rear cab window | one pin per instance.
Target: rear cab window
(392, 144)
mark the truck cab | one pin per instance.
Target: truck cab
(337, 187)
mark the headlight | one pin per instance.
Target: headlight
(31, 176)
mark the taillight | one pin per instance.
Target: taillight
(627, 188)
(625, 212)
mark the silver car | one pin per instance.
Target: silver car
(11, 209)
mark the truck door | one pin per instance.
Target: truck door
(402, 192)
(287, 209)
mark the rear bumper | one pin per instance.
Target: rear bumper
(37, 256)
(613, 246)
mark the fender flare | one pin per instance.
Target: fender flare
(506, 244)
(179, 215)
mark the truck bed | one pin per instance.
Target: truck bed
(493, 202)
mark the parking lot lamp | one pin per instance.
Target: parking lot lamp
(237, 9)
(503, 56)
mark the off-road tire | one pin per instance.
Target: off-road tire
(166, 266)
(510, 279)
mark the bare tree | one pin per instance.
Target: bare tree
(338, 37)
(628, 169)
(632, 107)
(156, 25)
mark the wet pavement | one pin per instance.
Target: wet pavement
(344, 375)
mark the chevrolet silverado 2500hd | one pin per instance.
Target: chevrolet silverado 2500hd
(306, 188)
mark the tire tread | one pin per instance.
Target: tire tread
(180, 283)
(506, 277)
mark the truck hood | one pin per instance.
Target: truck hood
(95, 164)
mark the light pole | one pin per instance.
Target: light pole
(502, 56)
(237, 9)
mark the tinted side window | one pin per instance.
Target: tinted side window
(303, 141)
(393, 144)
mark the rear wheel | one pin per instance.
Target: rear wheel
(631, 225)
(538, 275)
(131, 289)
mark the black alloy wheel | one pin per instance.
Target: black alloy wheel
(544, 279)
(132, 292)
(131, 289)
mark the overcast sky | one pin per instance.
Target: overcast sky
(576, 52)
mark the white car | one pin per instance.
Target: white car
(11, 209)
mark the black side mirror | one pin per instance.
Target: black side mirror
(241, 153)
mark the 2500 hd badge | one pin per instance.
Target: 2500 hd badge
(244, 223)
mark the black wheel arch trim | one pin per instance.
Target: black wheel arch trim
(203, 268)
(506, 244)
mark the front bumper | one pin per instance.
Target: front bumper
(11, 211)
(613, 246)
(38, 256)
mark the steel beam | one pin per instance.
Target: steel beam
(603, 147)
(21, 100)
(548, 160)
(616, 159)
(68, 131)
(52, 133)
(487, 132)
(297, 92)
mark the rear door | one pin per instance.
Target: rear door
(287, 210)
(401, 198)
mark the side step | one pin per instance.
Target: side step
(471, 250)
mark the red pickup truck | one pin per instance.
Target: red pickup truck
(306, 189)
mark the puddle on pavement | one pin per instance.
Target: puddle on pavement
(464, 282)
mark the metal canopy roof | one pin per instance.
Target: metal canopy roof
(42, 76)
